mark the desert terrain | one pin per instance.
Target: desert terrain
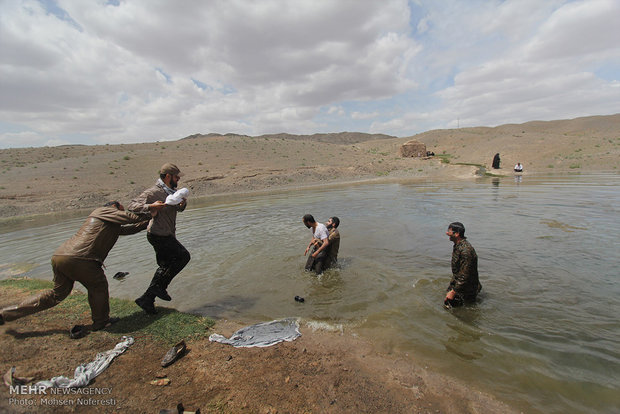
(319, 372)
(68, 178)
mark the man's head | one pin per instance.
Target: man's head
(115, 204)
(170, 175)
(333, 222)
(456, 231)
(309, 220)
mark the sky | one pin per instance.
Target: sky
(111, 72)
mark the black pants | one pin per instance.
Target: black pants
(317, 264)
(171, 257)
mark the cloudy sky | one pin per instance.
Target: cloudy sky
(96, 71)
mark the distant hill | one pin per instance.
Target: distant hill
(578, 144)
(342, 138)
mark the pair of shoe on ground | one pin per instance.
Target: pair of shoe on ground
(148, 305)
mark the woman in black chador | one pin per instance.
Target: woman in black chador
(496, 161)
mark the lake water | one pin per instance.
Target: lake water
(544, 336)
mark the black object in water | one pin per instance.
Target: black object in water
(120, 275)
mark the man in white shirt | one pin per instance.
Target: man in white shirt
(518, 167)
(320, 238)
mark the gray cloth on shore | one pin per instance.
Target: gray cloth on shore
(85, 373)
(262, 334)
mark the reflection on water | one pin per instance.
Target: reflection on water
(544, 335)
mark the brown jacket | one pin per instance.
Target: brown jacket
(164, 223)
(99, 233)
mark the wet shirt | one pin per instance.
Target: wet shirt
(320, 232)
(464, 270)
(333, 246)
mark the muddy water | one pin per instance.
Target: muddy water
(544, 336)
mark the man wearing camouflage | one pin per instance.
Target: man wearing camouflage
(334, 242)
(464, 285)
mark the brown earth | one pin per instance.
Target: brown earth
(317, 373)
(68, 178)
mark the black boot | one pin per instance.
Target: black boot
(158, 285)
(147, 304)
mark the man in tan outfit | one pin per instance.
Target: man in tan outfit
(80, 259)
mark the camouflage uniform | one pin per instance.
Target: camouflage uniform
(464, 273)
(333, 247)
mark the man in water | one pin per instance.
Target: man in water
(80, 259)
(334, 242)
(320, 236)
(464, 285)
(171, 256)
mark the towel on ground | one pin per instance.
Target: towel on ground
(262, 334)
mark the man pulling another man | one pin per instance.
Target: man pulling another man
(80, 259)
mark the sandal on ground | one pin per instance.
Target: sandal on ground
(173, 354)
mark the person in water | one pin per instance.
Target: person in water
(318, 243)
(465, 284)
(334, 242)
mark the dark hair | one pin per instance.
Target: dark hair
(162, 176)
(309, 219)
(458, 228)
(112, 203)
(336, 221)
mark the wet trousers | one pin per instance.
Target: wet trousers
(67, 271)
(171, 257)
(317, 264)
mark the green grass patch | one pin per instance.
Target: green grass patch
(445, 158)
(470, 163)
(573, 166)
(168, 325)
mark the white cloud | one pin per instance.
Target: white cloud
(338, 110)
(364, 115)
(148, 70)
(29, 139)
(547, 72)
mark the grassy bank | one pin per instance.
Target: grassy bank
(168, 326)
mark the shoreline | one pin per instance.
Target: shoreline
(321, 371)
(41, 216)
(318, 372)
(75, 177)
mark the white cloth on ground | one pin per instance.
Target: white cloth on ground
(84, 373)
(176, 198)
(262, 334)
